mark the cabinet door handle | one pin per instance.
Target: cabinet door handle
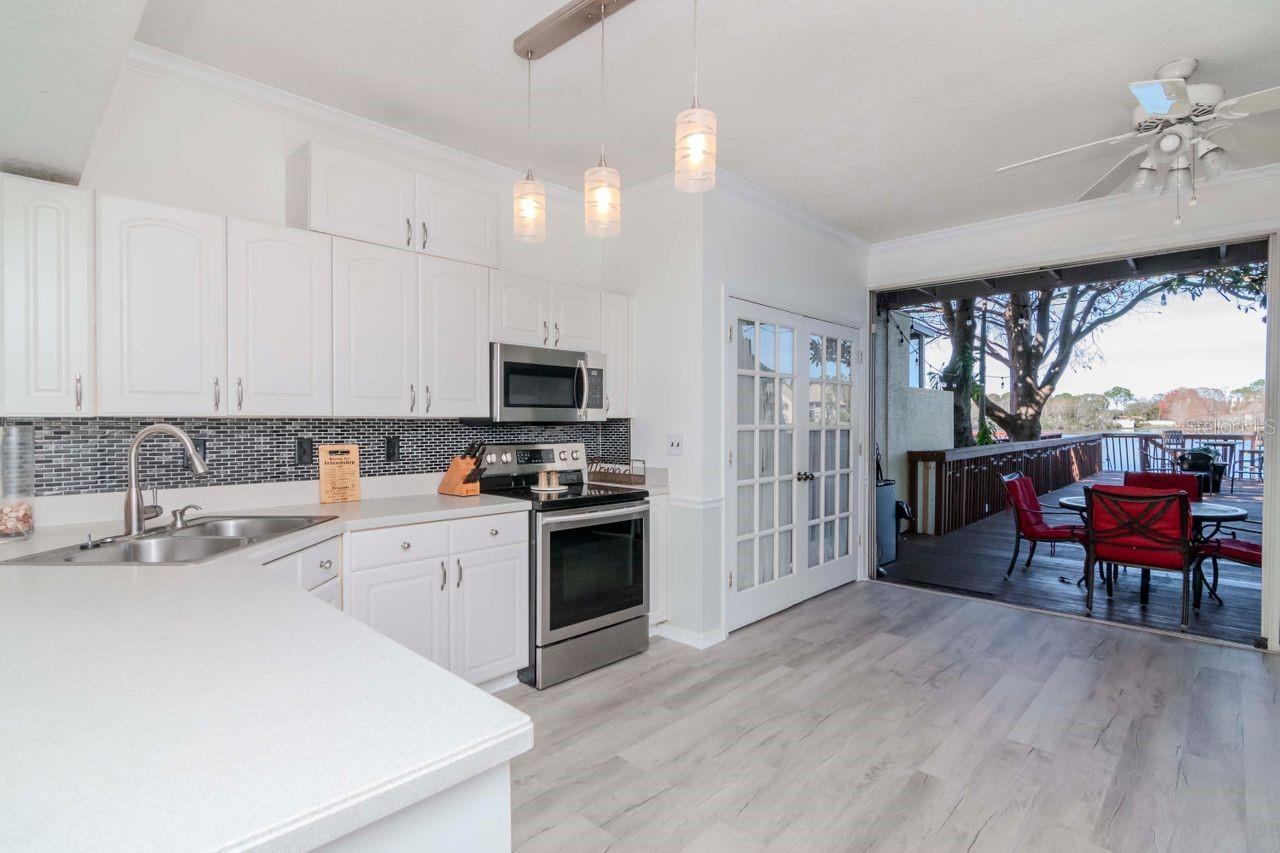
(79, 391)
(444, 575)
(608, 404)
(427, 407)
(546, 333)
(424, 235)
(557, 343)
(408, 231)
(459, 584)
(413, 397)
(405, 546)
(326, 565)
(217, 394)
(239, 394)
(493, 531)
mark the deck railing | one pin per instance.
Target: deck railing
(1135, 451)
(952, 488)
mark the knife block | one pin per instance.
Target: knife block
(452, 482)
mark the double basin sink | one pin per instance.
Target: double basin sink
(201, 539)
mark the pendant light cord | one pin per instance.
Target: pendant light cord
(602, 13)
(528, 111)
(695, 54)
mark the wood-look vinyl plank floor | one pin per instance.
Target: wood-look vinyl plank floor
(878, 717)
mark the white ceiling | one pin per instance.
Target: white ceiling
(59, 60)
(889, 118)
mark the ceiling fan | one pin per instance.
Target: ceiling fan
(1187, 132)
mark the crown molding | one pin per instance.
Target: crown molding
(162, 64)
(735, 183)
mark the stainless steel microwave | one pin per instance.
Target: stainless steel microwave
(542, 385)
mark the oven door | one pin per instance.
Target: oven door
(592, 569)
(541, 385)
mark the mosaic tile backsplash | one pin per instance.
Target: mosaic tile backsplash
(82, 455)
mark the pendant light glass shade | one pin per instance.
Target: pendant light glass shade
(529, 210)
(602, 199)
(695, 150)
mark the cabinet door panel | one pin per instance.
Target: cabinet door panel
(354, 196)
(615, 311)
(489, 613)
(161, 309)
(456, 222)
(406, 603)
(575, 317)
(47, 281)
(521, 309)
(279, 326)
(375, 330)
(454, 338)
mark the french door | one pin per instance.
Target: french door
(792, 460)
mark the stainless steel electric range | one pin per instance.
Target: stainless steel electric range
(588, 559)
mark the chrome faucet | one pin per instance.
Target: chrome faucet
(135, 513)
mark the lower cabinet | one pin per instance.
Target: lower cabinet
(464, 608)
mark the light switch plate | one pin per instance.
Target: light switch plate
(675, 444)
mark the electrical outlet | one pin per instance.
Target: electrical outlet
(202, 447)
(304, 451)
(675, 444)
(393, 448)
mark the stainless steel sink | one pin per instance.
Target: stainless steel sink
(201, 539)
(251, 527)
(156, 549)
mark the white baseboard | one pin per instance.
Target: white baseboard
(704, 640)
(502, 682)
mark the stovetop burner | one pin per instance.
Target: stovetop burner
(514, 470)
(577, 495)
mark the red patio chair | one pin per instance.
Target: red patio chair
(1228, 547)
(1029, 523)
(1166, 481)
(1148, 529)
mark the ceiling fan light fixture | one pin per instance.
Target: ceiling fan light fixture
(1144, 179)
(1215, 163)
(1179, 176)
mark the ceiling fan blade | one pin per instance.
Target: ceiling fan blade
(1163, 98)
(1251, 104)
(1089, 147)
(1116, 175)
(1248, 144)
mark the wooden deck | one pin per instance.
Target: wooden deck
(973, 561)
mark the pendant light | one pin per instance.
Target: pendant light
(529, 197)
(695, 136)
(601, 184)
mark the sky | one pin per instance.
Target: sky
(1201, 343)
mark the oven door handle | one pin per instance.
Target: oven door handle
(630, 509)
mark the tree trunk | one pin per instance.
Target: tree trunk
(957, 374)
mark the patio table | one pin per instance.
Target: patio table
(1202, 513)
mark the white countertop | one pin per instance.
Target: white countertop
(217, 707)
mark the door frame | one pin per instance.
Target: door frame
(860, 420)
(1269, 624)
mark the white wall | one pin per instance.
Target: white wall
(1245, 204)
(183, 133)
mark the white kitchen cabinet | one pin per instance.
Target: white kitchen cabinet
(279, 326)
(47, 276)
(615, 325)
(375, 330)
(455, 221)
(520, 307)
(575, 317)
(489, 613)
(659, 558)
(162, 330)
(330, 592)
(408, 602)
(349, 195)
(453, 338)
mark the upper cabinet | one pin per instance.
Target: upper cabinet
(453, 338)
(456, 221)
(521, 310)
(279, 331)
(161, 309)
(575, 317)
(341, 193)
(47, 296)
(349, 195)
(375, 331)
(615, 324)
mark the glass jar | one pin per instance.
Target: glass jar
(17, 480)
